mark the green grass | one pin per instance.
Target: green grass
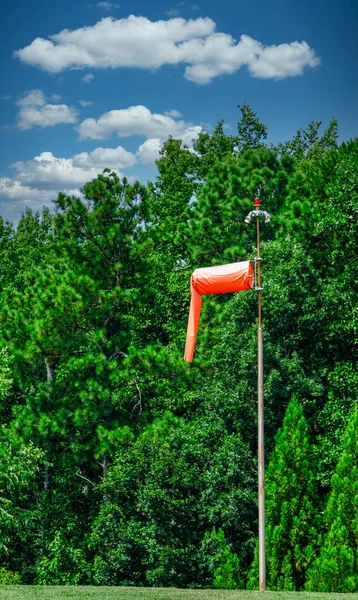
(31, 592)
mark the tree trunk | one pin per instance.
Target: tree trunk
(105, 462)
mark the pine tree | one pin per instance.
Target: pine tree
(336, 569)
(217, 228)
(250, 131)
(226, 576)
(291, 506)
(220, 563)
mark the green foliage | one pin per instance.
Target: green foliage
(336, 569)
(18, 470)
(213, 148)
(8, 577)
(62, 565)
(226, 575)
(291, 506)
(217, 228)
(222, 562)
(5, 383)
(250, 131)
(120, 463)
(333, 418)
(177, 480)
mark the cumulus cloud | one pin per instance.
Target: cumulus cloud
(37, 181)
(139, 42)
(87, 78)
(15, 197)
(137, 120)
(85, 103)
(16, 191)
(48, 171)
(148, 152)
(100, 158)
(278, 62)
(35, 111)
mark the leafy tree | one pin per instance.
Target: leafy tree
(250, 131)
(303, 141)
(18, 472)
(62, 565)
(173, 484)
(170, 196)
(333, 419)
(217, 228)
(125, 458)
(6, 252)
(70, 327)
(8, 577)
(212, 148)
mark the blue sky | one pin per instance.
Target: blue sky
(108, 88)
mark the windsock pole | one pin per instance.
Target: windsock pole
(257, 213)
(260, 415)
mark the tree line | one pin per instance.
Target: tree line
(122, 465)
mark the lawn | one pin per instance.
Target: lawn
(15, 592)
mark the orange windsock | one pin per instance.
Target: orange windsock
(214, 280)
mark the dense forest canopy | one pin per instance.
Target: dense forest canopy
(122, 464)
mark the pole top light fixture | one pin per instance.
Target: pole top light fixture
(258, 213)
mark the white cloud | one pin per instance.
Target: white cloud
(47, 171)
(16, 191)
(148, 152)
(38, 181)
(100, 158)
(108, 5)
(85, 103)
(137, 120)
(190, 134)
(5, 97)
(35, 111)
(15, 197)
(278, 62)
(87, 78)
(139, 42)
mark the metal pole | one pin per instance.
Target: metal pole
(258, 213)
(260, 409)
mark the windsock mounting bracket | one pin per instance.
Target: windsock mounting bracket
(256, 287)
